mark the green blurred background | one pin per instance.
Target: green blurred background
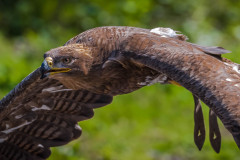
(154, 123)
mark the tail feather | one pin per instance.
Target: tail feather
(214, 50)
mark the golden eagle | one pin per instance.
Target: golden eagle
(42, 111)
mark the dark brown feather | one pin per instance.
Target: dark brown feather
(214, 132)
(199, 127)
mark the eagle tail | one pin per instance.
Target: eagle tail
(214, 50)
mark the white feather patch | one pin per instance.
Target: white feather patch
(3, 139)
(150, 81)
(40, 145)
(229, 80)
(56, 89)
(43, 107)
(14, 128)
(77, 127)
(165, 32)
(235, 67)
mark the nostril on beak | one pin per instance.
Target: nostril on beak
(49, 61)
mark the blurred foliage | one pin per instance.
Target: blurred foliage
(154, 123)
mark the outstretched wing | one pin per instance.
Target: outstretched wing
(214, 80)
(42, 113)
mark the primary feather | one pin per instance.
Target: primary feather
(43, 113)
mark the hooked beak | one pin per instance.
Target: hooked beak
(48, 69)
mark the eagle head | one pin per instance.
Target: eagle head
(73, 58)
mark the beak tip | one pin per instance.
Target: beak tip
(44, 69)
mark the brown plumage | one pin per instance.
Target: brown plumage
(43, 110)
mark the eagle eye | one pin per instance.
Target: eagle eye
(67, 60)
